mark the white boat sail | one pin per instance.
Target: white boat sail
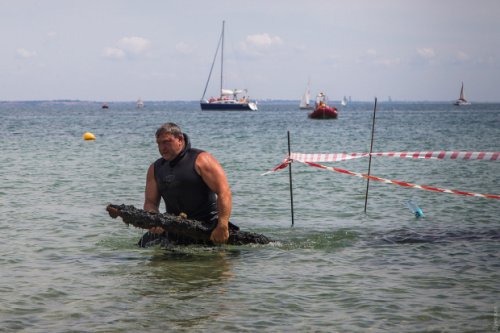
(461, 100)
(305, 102)
(140, 103)
(229, 99)
(344, 101)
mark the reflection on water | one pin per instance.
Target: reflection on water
(436, 235)
(185, 272)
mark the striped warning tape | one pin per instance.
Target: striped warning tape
(283, 165)
(453, 155)
(395, 182)
(337, 157)
(334, 157)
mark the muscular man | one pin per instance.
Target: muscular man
(190, 181)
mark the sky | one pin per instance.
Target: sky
(162, 50)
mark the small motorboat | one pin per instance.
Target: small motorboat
(322, 109)
(105, 106)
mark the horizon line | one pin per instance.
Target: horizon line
(64, 100)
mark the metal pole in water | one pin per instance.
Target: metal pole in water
(290, 177)
(371, 149)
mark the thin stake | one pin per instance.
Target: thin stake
(290, 177)
(371, 149)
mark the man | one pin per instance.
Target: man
(190, 181)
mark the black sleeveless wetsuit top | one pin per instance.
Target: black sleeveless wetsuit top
(183, 189)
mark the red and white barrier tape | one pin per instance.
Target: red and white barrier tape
(453, 155)
(283, 165)
(334, 157)
(400, 183)
(287, 161)
(337, 157)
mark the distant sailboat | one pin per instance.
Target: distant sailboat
(461, 100)
(140, 103)
(229, 98)
(305, 102)
(344, 101)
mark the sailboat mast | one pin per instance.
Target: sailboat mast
(222, 59)
(221, 38)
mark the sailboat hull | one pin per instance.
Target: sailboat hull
(227, 106)
(460, 102)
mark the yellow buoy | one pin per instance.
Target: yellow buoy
(88, 136)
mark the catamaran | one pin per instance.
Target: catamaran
(229, 99)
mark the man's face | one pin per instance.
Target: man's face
(169, 146)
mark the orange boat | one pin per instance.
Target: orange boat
(322, 109)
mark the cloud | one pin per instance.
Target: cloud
(25, 54)
(260, 44)
(114, 53)
(426, 53)
(263, 40)
(135, 45)
(256, 44)
(127, 46)
(388, 62)
(462, 56)
(183, 48)
(373, 57)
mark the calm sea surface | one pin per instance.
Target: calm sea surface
(66, 266)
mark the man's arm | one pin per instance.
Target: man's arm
(152, 197)
(214, 176)
(151, 194)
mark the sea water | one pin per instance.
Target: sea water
(67, 266)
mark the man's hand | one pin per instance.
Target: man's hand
(220, 234)
(156, 230)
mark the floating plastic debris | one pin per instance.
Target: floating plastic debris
(413, 207)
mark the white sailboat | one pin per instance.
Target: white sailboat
(344, 101)
(305, 102)
(140, 103)
(228, 100)
(461, 100)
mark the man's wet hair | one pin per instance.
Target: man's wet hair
(169, 128)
